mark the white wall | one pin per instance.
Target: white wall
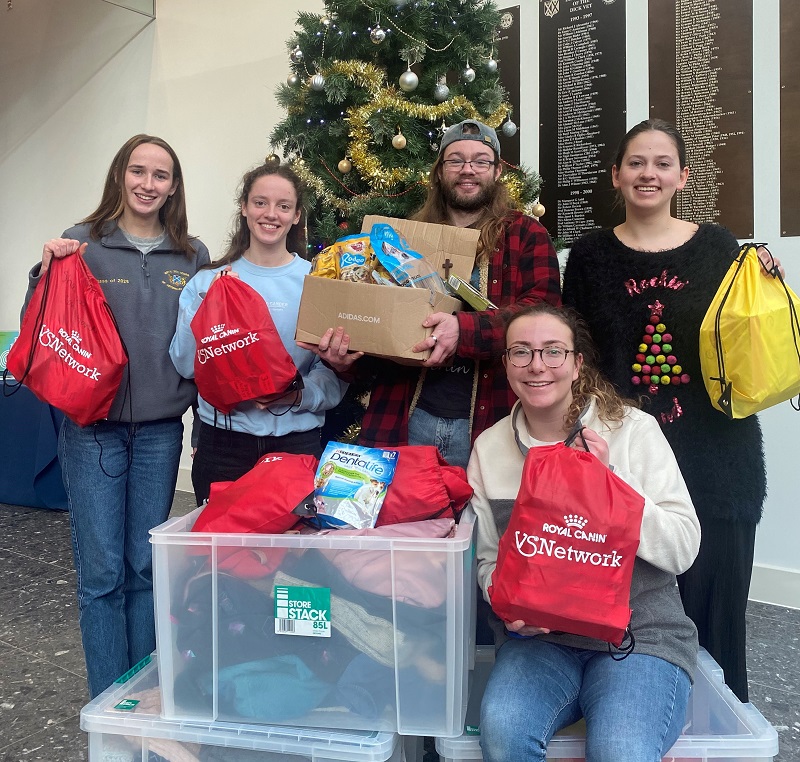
(77, 79)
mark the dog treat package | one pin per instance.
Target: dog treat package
(351, 483)
(406, 266)
(349, 259)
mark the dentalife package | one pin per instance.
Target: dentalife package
(351, 483)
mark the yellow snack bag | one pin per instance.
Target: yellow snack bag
(326, 263)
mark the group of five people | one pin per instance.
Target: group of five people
(522, 372)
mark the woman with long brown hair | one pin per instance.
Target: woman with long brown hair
(266, 251)
(120, 474)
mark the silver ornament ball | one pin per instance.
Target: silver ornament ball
(441, 93)
(399, 141)
(468, 75)
(325, 21)
(296, 55)
(317, 82)
(491, 66)
(293, 80)
(509, 129)
(377, 35)
(408, 81)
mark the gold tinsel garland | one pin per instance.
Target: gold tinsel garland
(360, 73)
(317, 186)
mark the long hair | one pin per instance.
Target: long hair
(491, 223)
(172, 214)
(239, 240)
(590, 383)
(650, 125)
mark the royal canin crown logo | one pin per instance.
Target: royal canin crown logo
(219, 332)
(574, 527)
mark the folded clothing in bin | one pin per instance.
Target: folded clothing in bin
(275, 678)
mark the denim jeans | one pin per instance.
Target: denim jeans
(120, 481)
(449, 435)
(634, 708)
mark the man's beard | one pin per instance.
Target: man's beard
(470, 204)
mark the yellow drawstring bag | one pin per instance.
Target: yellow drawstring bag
(750, 339)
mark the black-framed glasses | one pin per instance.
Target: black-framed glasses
(552, 357)
(478, 165)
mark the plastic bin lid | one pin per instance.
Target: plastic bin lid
(177, 531)
(718, 727)
(131, 707)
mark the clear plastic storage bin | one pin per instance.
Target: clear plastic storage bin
(124, 725)
(719, 726)
(330, 631)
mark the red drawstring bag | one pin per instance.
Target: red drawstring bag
(424, 487)
(263, 501)
(566, 560)
(240, 355)
(69, 352)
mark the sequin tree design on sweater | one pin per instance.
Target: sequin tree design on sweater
(656, 363)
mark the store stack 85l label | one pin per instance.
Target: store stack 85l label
(303, 611)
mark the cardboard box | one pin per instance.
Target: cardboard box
(386, 321)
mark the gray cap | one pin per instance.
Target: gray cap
(485, 135)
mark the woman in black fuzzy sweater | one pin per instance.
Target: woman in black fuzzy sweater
(644, 288)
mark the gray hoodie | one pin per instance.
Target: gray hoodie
(143, 292)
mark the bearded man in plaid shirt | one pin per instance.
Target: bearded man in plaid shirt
(461, 389)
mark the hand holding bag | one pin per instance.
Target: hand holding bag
(69, 352)
(750, 339)
(240, 355)
(566, 560)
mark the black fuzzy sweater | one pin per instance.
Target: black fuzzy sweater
(617, 290)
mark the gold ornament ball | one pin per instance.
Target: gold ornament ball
(538, 210)
(273, 160)
(399, 141)
(345, 165)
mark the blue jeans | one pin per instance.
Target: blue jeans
(449, 435)
(634, 708)
(120, 482)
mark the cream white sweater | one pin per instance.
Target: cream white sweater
(670, 533)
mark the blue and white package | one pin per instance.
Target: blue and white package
(406, 266)
(351, 483)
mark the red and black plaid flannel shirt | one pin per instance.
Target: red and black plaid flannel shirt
(523, 270)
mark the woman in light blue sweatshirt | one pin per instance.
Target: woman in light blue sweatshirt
(264, 252)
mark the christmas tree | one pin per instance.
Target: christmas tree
(656, 362)
(373, 85)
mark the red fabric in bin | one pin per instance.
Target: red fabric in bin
(424, 487)
(260, 502)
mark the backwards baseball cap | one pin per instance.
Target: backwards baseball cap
(481, 132)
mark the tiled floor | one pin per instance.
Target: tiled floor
(42, 676)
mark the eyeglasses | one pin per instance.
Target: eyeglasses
(477, 165)
(552, 357)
